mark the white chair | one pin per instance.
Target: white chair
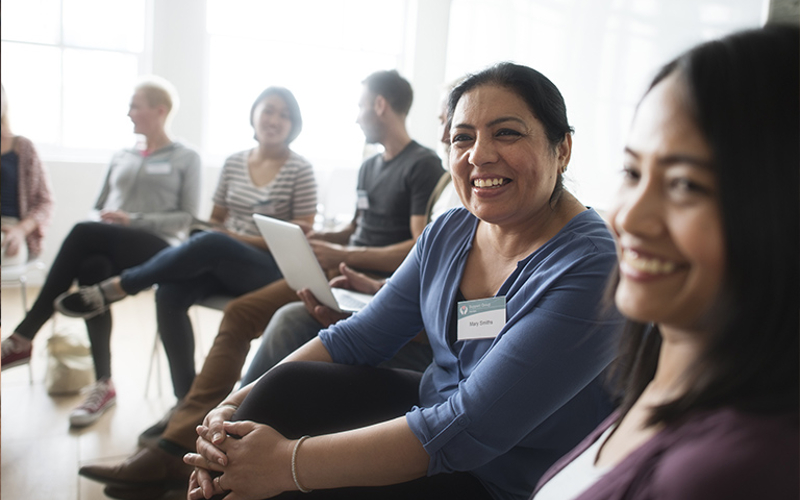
(216, 302)
(17, 275)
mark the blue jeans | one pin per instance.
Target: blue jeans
(292, 326)
(207, 263)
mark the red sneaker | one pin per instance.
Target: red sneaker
(102, 396)
(13, 353)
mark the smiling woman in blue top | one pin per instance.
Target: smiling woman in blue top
(491, 413)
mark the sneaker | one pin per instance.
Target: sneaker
(13, 354)
(86, 303)
(101, 397)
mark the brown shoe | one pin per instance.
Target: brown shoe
(146, 493)
(146, 468)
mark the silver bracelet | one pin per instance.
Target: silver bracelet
(294, 465)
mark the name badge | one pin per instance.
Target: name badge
(158, 168)
(363, 200)
(481, 319)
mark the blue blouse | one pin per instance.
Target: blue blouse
(507, 408)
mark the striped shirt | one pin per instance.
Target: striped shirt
(291, 194)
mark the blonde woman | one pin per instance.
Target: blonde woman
(147, 200)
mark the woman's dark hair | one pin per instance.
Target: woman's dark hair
(291, 105)
(743, 92)
(542, 96)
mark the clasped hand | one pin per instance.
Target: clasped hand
(244, 459)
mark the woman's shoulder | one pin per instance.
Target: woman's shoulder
(454, 228)
(588, 231)
(239, 156)
(732, 453)
(236, 160)
(729, 425)
(183, 155)
(456, 220)
(23, 145)
(183, 148)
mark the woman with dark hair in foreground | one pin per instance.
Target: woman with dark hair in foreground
(707, 231)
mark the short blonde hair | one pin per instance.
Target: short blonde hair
(159, 92)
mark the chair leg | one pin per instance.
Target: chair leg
(198, 333)
(24, 293)
(23, 290)
(154, 364)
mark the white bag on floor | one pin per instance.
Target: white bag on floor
(69, 363)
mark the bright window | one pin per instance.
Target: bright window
(68, 69)
(322, 58)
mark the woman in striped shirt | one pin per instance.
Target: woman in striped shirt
(229, 256)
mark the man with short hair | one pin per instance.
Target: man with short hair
(393, 192)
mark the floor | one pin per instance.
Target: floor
(40, 453)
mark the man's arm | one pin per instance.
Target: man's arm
(385, 259)
(340, 236)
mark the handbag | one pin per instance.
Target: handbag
(69, 363)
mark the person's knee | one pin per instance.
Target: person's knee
(94, 269)
(208, 241)
(82, 227)
(281, 382)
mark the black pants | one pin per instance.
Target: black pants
(92, 252)
(321, 398)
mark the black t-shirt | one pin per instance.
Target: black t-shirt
(395, 190)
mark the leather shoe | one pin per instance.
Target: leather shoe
(149, 438)
(146, 468)
(146, 493)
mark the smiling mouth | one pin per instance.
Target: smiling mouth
(490, 183)
(649, 265)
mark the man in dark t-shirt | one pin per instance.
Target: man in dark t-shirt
(393, 186)
(395, 190)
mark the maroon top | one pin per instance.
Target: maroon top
(725, 454)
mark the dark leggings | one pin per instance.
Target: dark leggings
(307, 398)
(92, 252)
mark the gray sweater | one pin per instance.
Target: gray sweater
(160, 191)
